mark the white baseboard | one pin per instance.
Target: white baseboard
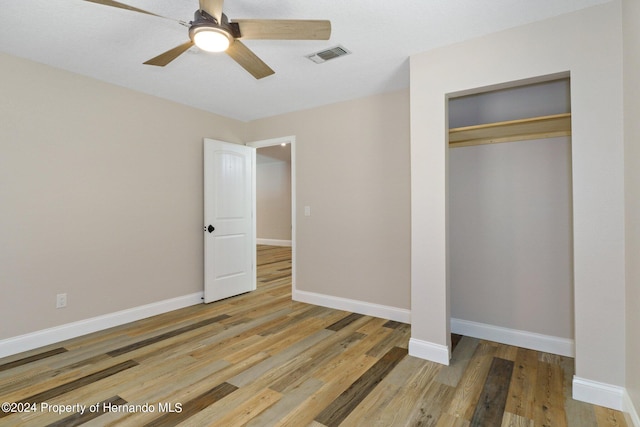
(630, 410)
(597, 393)
(273, 242)
(515, 337)
(56, 334)
(355, 306)
(429, 351)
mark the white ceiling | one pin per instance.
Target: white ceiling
(111, 44)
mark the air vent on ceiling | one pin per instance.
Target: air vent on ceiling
(328, 54)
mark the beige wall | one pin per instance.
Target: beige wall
(352, 171)
(631, 17)
(273, 199)
(100, 196)
(587, 44)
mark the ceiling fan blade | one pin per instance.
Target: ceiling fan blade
(249, 60)
(284, 29)
(165, 58)
(122, 6)
(213, 8)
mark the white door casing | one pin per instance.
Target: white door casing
(229, 222)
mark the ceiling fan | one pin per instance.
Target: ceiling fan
(211, 31)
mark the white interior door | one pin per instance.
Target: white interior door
(229, 228)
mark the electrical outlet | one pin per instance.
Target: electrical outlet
(61, 300)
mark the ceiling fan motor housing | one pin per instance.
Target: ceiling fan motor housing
(202, 21)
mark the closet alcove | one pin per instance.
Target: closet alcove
(510, 216)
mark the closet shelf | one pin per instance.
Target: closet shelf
(513, 130)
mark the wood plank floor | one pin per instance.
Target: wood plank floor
(261, 359)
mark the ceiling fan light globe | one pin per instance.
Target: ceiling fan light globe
(211, 39)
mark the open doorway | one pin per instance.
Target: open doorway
(275, 195)
(511, 217)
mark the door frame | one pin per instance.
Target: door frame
(291, 140)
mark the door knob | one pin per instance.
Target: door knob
(210, 228)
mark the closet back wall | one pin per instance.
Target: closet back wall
(510, 235)
(273, 194)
